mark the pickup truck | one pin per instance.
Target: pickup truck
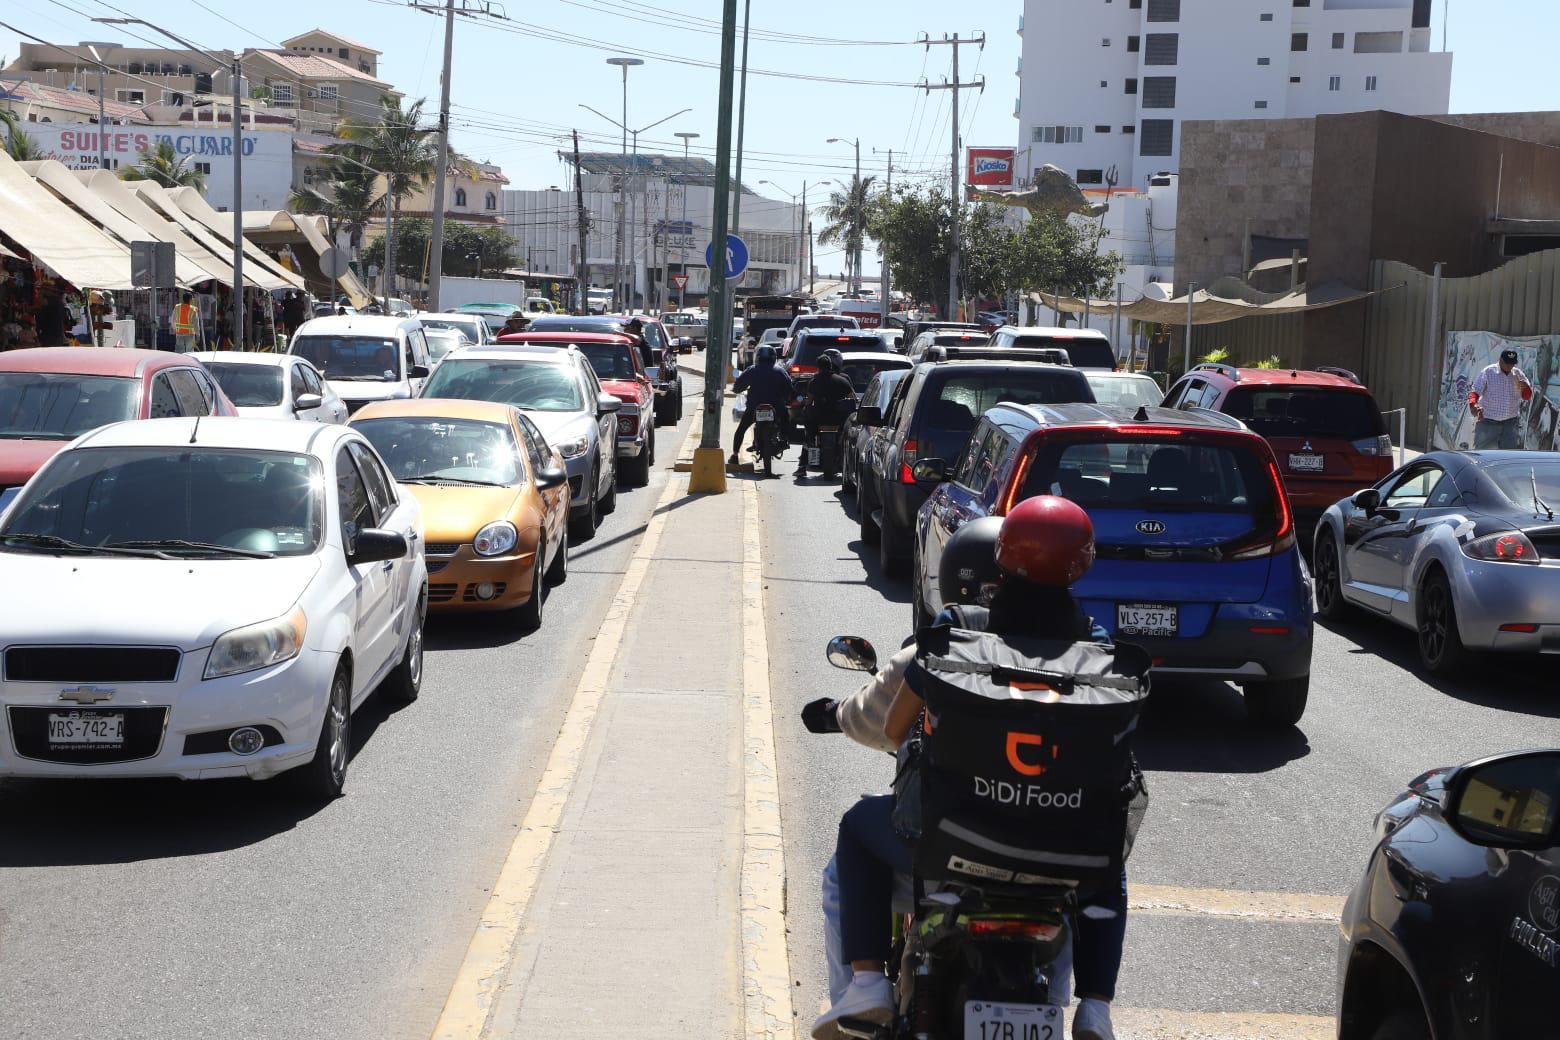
(660, 365)
(689, 327)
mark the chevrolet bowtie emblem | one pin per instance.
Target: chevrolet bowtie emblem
(87, 694)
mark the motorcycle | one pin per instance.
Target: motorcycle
(972, 960)
(825, 448)
(767, 435)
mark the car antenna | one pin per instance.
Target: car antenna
(1538, 503)
(195, 429)
(1142, 414)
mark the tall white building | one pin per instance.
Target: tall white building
(1108, 83)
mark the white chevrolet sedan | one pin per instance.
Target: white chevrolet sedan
(206, 598)
(273, 386)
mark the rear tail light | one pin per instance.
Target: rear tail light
(907, 456)
(1270, 630)
(1010, 929)
(1269, 543)
(804, 370)
(1373, 445)
(1525, 629)
(1509, 547)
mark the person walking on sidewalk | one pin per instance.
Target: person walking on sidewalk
(1496, 398)
(186, 320)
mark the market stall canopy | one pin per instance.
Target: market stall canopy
(302, 234)
(1208, 309)
(107, 186)
(157, 197)
(221, 225)
(57, 236)
(61, 180)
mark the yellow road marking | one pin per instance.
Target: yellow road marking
(1233, 903)
(488, 956)
(1144, 1024)
(766, 967)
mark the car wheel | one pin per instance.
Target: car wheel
(637, 469)
(1277, 704)
(584, 525)
(1440, 644)
(558, 570)
(677, 416)
(1405, 1025)
(530, 615)
(609, 500)
(650, 446)
(325, 776)
(848, 471)
(1330, 603)
(868, 529)
(404, 682)
(892, 558)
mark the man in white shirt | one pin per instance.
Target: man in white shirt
(1496, 398)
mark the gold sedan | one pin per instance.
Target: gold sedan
(494, 497)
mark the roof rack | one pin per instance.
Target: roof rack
(1045, 355)
(1229, 371)
(1343, 373)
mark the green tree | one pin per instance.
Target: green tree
(344, 193)
(848, 214)
(17, 144)
(1060, 256)
(404, 153)
(915, 227)
(987, 252)
(163, 165)
(464, 244)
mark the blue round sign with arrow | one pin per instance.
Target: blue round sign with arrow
(736, 257)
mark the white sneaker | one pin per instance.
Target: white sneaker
(868, 997)
(1092, 1021)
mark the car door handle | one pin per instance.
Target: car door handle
(387, 566)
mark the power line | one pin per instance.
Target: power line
(694, 23)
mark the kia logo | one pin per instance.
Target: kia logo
(1151, 527)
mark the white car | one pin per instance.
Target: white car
(442, 341)
(470, 325)
(273, 386)
(206, 598)
(366, 357)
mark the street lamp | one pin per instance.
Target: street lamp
(237, 73)
(102, 119)
(622, 207)
(856, 254)
(807, 229)
(795, 231)
(682, 253)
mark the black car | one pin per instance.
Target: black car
(857, 439)
(655, 348)
(932, 414)
(1454, 931)
(807, 345)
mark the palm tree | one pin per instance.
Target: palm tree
(404, 153)
(847, 213)
(163, 165)
(344, 194)
(17, 144)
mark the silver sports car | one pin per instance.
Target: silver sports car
(1461, 546)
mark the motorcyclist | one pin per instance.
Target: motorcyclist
(828, 394)
(764, 382)
(1021, 565)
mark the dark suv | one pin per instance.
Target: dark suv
(801, 360)
(931, 414)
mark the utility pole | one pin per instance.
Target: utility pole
(619, 283)
(436, 259)
(884, 283)
(979, 39)
(686, 231)
(584, 230)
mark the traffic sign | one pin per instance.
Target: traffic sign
(679, 281)
(736, 257)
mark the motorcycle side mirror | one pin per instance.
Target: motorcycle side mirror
(1368, 500)
(929, 471)
(852, 653)
(1507, 802)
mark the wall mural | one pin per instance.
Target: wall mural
(1467, 353)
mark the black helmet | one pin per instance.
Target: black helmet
(968, 572)
(836, 359)
(766, 355)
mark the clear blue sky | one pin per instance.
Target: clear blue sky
(518, 95)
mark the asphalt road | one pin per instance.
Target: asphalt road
(161, 909)
(1233, 807)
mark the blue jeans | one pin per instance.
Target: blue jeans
(1495, 434)
(870, 851)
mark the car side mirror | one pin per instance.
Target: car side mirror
(869, 415)
(373, 545)
(929, 471)
(306, 402)
(606, 404)
(1369, 500)
(1507, 802)
(418, 372)
(852, 653)
(551, 477)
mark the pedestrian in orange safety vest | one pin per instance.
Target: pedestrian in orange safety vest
(186, 319)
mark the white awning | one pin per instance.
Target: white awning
(1208, 309)
(221, 225)
(156, 197)
(57, 236)
(108, 187)
(290, 226)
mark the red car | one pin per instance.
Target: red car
(49, 396)
(1323, 426)
(617, 362)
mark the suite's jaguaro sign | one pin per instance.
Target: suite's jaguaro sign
(76, 144)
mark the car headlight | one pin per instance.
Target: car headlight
(1505, 547)
(257, 646)
(495, 539)
(574, 449)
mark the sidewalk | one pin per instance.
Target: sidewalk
(644, 891)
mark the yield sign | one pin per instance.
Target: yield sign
(679, 281)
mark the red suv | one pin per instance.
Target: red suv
(1323, 426)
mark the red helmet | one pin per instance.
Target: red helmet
(1046, 540)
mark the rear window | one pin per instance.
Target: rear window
(610, 360)
(1152, 474)
(1518, 480)
(1083, 353)
(1126, 391)
(806, 352)
(1306, 411)
(963, 397)
(860, 373)
(827, 321)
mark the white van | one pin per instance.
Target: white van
(539, 305)
(366, 358)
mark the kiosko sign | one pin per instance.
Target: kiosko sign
(991, 167)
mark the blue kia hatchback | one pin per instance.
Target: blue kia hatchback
(1195, 540)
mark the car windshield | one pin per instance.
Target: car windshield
(652, 334)
(610, 360)
(539, 386)
(1516, 480)
(860, 373)
(248, 386)
(1150, 475)
(430, 449)
(365, 359)
(1127, 391)
(471, 328)
(60, 406)
(1299, 411)
(183, 500)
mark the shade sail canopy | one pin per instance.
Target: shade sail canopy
(1208, 309)
(107, 186)
(303, 235)
(57, 236)
(221, 225)
(155, 196)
